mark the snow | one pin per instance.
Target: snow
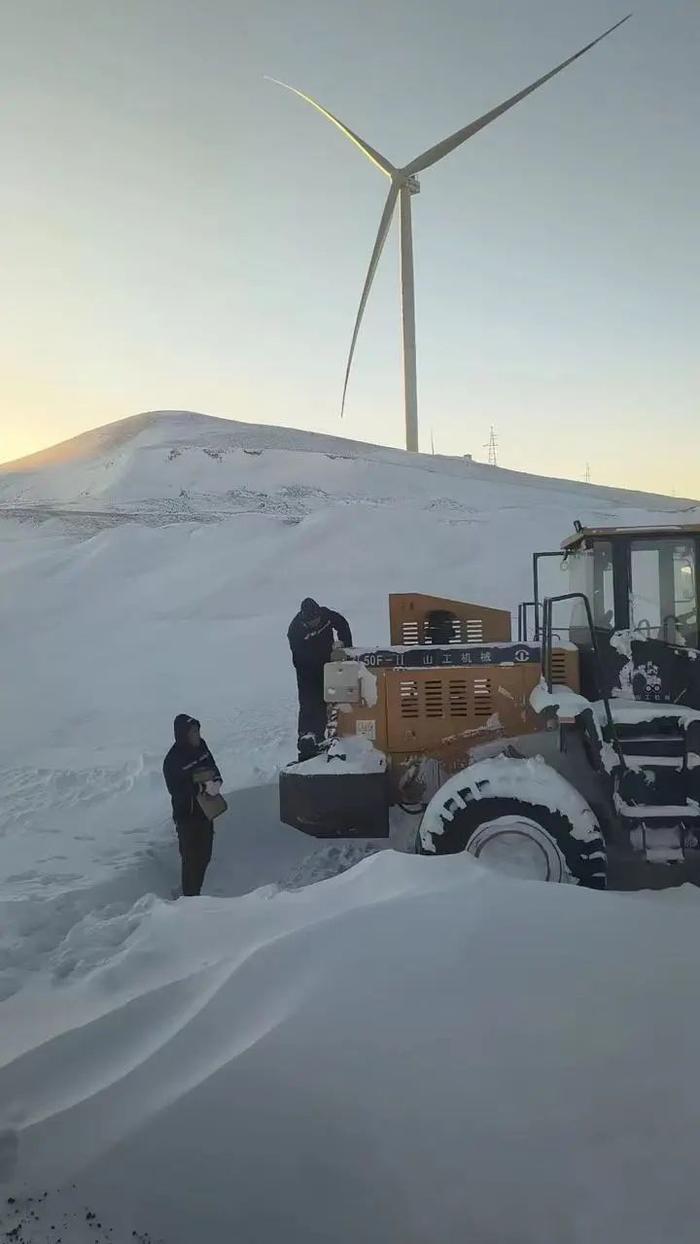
(631, 713)
(411, 1049)
(568, 703)
(296, 1068)
(353, 754)
(627, 712)
(368, 687)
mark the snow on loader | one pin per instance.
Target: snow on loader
(571, 754)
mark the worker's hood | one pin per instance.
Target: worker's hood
(181, 725)
(310, 609)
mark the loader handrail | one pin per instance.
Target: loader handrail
(547, 660)
(522, 620)
(538, 604)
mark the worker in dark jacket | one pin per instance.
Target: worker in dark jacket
(311, 639)
(189, 768)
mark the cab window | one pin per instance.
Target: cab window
(662, 590)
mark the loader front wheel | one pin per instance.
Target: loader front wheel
(518, 838)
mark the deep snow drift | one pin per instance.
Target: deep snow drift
(415, 1050)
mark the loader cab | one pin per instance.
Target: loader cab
(637, 580)
(642, 582)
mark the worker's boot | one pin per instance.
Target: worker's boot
(308, 746)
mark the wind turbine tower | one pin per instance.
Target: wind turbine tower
(403, 185)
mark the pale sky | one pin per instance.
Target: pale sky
(177, 232)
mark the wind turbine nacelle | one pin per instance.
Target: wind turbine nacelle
(413, 185)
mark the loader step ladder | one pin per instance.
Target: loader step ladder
(656, 768)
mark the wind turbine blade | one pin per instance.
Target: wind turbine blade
(447, 145)
(375, 156)
(382, 232)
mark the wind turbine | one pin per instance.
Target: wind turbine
(404, 184)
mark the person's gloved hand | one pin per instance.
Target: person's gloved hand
(213, 787)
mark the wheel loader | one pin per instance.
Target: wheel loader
(569, 754)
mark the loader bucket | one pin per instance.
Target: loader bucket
(334, 804)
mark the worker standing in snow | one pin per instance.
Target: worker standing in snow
(311, 638)
(194, 782)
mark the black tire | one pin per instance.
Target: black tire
(586, 861)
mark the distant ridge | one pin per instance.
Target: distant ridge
(133, 454)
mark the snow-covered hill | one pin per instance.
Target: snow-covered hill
(152, 567)
(178, 464)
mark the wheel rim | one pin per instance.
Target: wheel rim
(518, 847)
